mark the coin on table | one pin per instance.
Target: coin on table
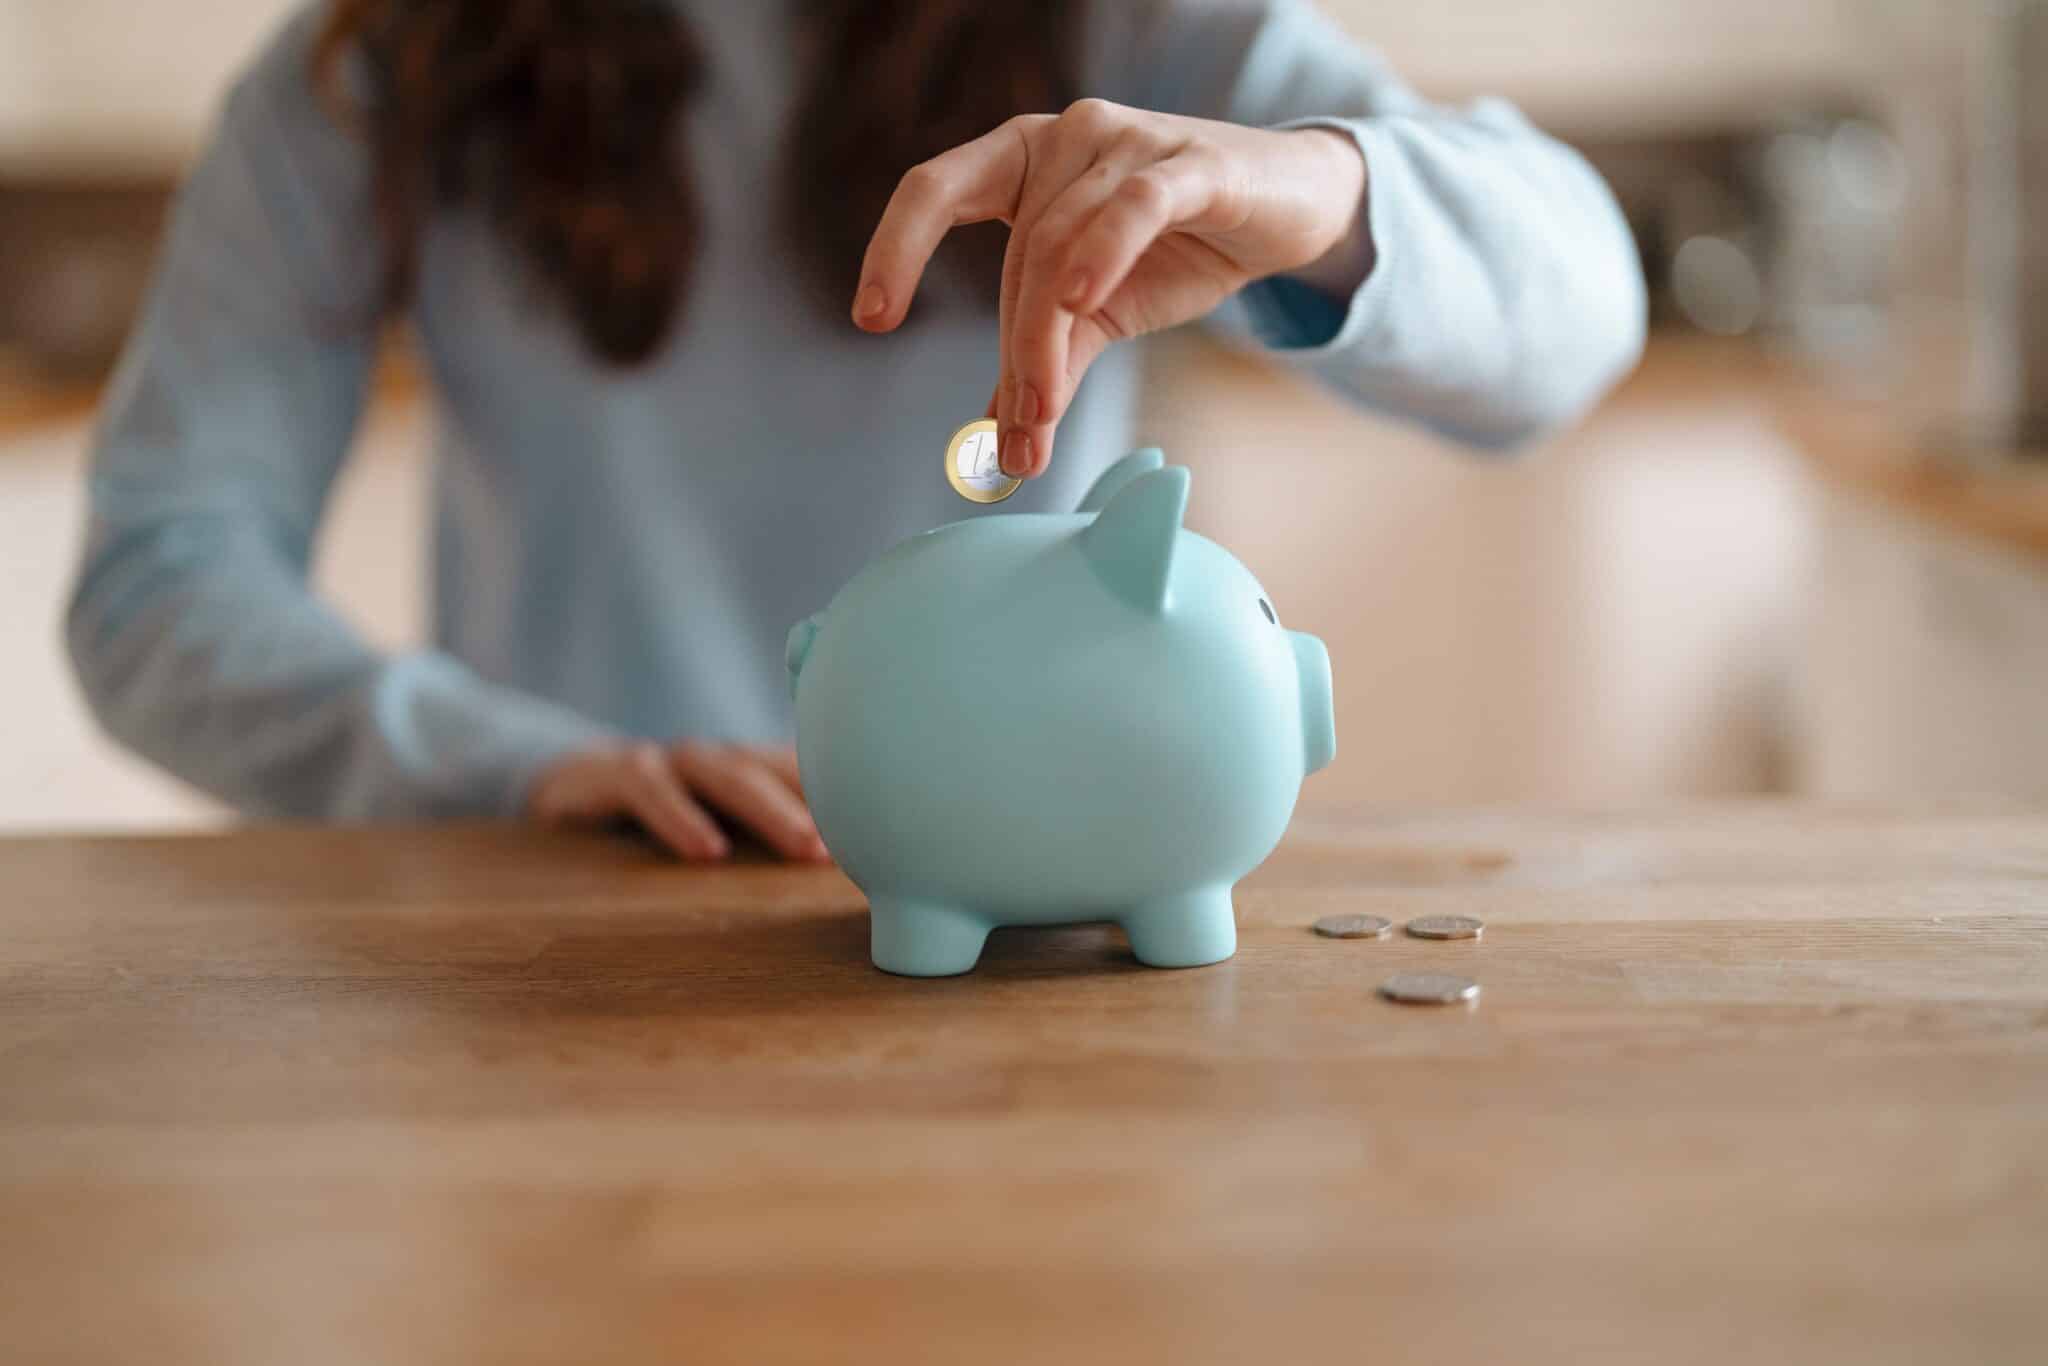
(971, 466)
(1446, 927)
(1429, 989)
(1353, 927)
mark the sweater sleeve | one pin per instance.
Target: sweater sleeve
(1505, 295)
(191, 626)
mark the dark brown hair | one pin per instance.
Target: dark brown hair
(562, 121)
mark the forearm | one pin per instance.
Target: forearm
(198, 649)
(194, 634)
(1486, 286)
(1504, 295)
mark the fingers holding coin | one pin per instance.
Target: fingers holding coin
(1108, 209)
(1048, 346)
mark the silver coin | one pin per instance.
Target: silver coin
(1446, 927)
(1353, 927)
(1429, 989)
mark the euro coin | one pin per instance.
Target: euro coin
(1446, 927)
(1429, 989)
(1353, 927)
(971, 465)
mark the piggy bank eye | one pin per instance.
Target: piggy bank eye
(1267, 608)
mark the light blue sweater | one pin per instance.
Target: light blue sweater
(621, 553)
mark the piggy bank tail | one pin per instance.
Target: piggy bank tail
(798, 649)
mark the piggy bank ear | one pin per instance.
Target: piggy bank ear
(1131, 541)
(1113, 479)
(797, 648)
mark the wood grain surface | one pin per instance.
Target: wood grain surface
(1758, 1084)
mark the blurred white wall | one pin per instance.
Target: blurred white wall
(117, 86)
(1636, 65)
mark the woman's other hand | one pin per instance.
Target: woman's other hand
(1121, 222)
(672, 790)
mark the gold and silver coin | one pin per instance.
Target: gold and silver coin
(1353, 927)
(1446, 927)
(1429, 989)
(971, 465)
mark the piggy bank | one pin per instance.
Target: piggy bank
(1037, 719)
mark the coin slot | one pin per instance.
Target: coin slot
(1267, 608)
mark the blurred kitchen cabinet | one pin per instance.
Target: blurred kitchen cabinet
(1923, 659)
(1924, 672)
(78, 258)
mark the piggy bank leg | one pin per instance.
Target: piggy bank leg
(920, 939)
(1185, 930)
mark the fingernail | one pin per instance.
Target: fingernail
(1016, 457)
(816, 849)
(1077, 289)
(715, 848)
(1027, 404)
(870, 303)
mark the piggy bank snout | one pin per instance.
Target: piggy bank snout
(1318, 720)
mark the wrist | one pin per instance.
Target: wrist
(1341, 183)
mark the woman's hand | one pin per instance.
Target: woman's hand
(668, 789)
(1121, 222)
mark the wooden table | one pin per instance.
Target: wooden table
(1750, 1084)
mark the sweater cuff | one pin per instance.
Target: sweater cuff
(460, 746)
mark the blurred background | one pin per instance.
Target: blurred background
(1803, 551)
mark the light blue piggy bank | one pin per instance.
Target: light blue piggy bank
(1036, 719)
